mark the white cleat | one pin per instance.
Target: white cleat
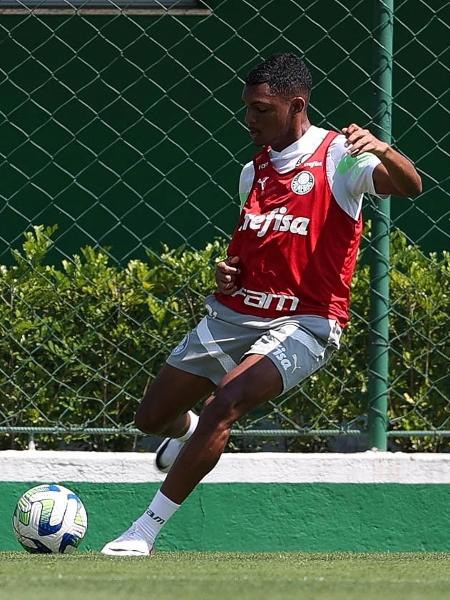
(167, 452)
(130, 543)
(170, 448)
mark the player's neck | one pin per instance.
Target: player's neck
(297, 132)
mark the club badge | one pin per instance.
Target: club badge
(181, 346)
(302, 183)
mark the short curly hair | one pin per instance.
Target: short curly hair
(286, 75)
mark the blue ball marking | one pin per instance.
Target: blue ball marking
(46, 529)
(44, 526)
(40, 547)
(68, 539)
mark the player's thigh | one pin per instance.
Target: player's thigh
(215, 347)
(172, 393)
(295, 352)
(193, 369)
(277, 361)
(253, 382)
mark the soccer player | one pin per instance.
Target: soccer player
(283, 290)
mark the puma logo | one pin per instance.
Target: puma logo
(296, 366)
(262, 182)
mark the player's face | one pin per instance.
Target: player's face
(270, 118)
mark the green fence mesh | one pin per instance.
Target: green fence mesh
(121, 123)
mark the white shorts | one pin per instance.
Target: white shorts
(224, 337)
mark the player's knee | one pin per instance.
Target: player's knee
(149, 417)
(222, 410)
(149, 421)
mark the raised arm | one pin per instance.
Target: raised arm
(396, 174)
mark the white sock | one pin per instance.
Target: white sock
(157, 514)
(192, 426)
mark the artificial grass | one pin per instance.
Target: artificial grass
(226, 576)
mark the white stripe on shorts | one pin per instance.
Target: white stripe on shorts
(308, 340)
(212, 348)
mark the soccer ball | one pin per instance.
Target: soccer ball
(49, 519)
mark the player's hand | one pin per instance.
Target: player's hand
(360, 140)
(226, 274)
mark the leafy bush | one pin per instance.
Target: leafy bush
(80, 341)
(419, 358)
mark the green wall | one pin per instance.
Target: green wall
(127, 131)
(267, 517)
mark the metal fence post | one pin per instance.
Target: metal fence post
(379, 322)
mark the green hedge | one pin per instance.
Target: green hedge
(80, 341)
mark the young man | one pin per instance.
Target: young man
(283, 290)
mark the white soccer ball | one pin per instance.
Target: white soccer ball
(50, 519)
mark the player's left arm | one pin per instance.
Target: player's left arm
(395, 174)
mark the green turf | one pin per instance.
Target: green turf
(226, 576)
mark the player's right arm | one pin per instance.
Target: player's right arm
(226, 275)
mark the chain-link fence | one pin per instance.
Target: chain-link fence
(121, 123)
